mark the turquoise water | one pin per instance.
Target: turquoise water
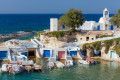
(101, 71)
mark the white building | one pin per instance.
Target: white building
(53, 24)
(103, 24)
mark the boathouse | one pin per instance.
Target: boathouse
(33, 51)
(75, 52)
(111, 55)
(61, 53)
(4, 53)
(47, 53)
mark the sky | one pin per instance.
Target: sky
(57, 6)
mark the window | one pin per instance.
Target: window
(80, 38)
(87, 38)
(106, 13)
(92, 38)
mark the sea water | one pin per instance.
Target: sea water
(10, 23)
(101, 71)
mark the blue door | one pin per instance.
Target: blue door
(46, 53)
(111, 27)
(63, 27)
(112, 54)
(73, 53)
(84, 53)
(98, 28)
(3, 55)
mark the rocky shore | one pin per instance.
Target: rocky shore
(20, 34)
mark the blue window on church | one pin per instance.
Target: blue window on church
(111, 27)
(63, 27)
(98, 28)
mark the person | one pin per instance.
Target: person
(0, 71)
(55, 65)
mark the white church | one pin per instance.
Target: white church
(103, 24)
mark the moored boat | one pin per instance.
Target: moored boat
(37, 67)
(15, 69)
(5, 68)
(28, 68)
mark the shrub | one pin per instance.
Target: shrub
(105, 36)
(108, 43)
(58, 33)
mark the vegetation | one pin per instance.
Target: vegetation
(107, 44)
(72, 19)
(94, 45)
(115, 20)
(105, 36)
(59, 33)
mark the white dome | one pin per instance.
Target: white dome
(101, 20)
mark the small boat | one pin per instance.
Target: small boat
(28, 68)
(5, 68)
(37, 67)
(50, 65)
(59, 64)
(91, 61)
(15, 69)
(88, 61)
(69, 63)
(83, 62)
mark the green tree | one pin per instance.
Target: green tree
(115, 20)
(72, 19)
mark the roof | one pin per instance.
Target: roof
(105, 9)
(61, 49)
(4, 48)
(30, 45)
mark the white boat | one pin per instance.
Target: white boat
(5, 68)
(59, 64)
(69, 63)
(37, 67)
(50, 65)
(83, 62)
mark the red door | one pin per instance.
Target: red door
(61, 54)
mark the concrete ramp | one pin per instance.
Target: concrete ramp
(35, 41)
